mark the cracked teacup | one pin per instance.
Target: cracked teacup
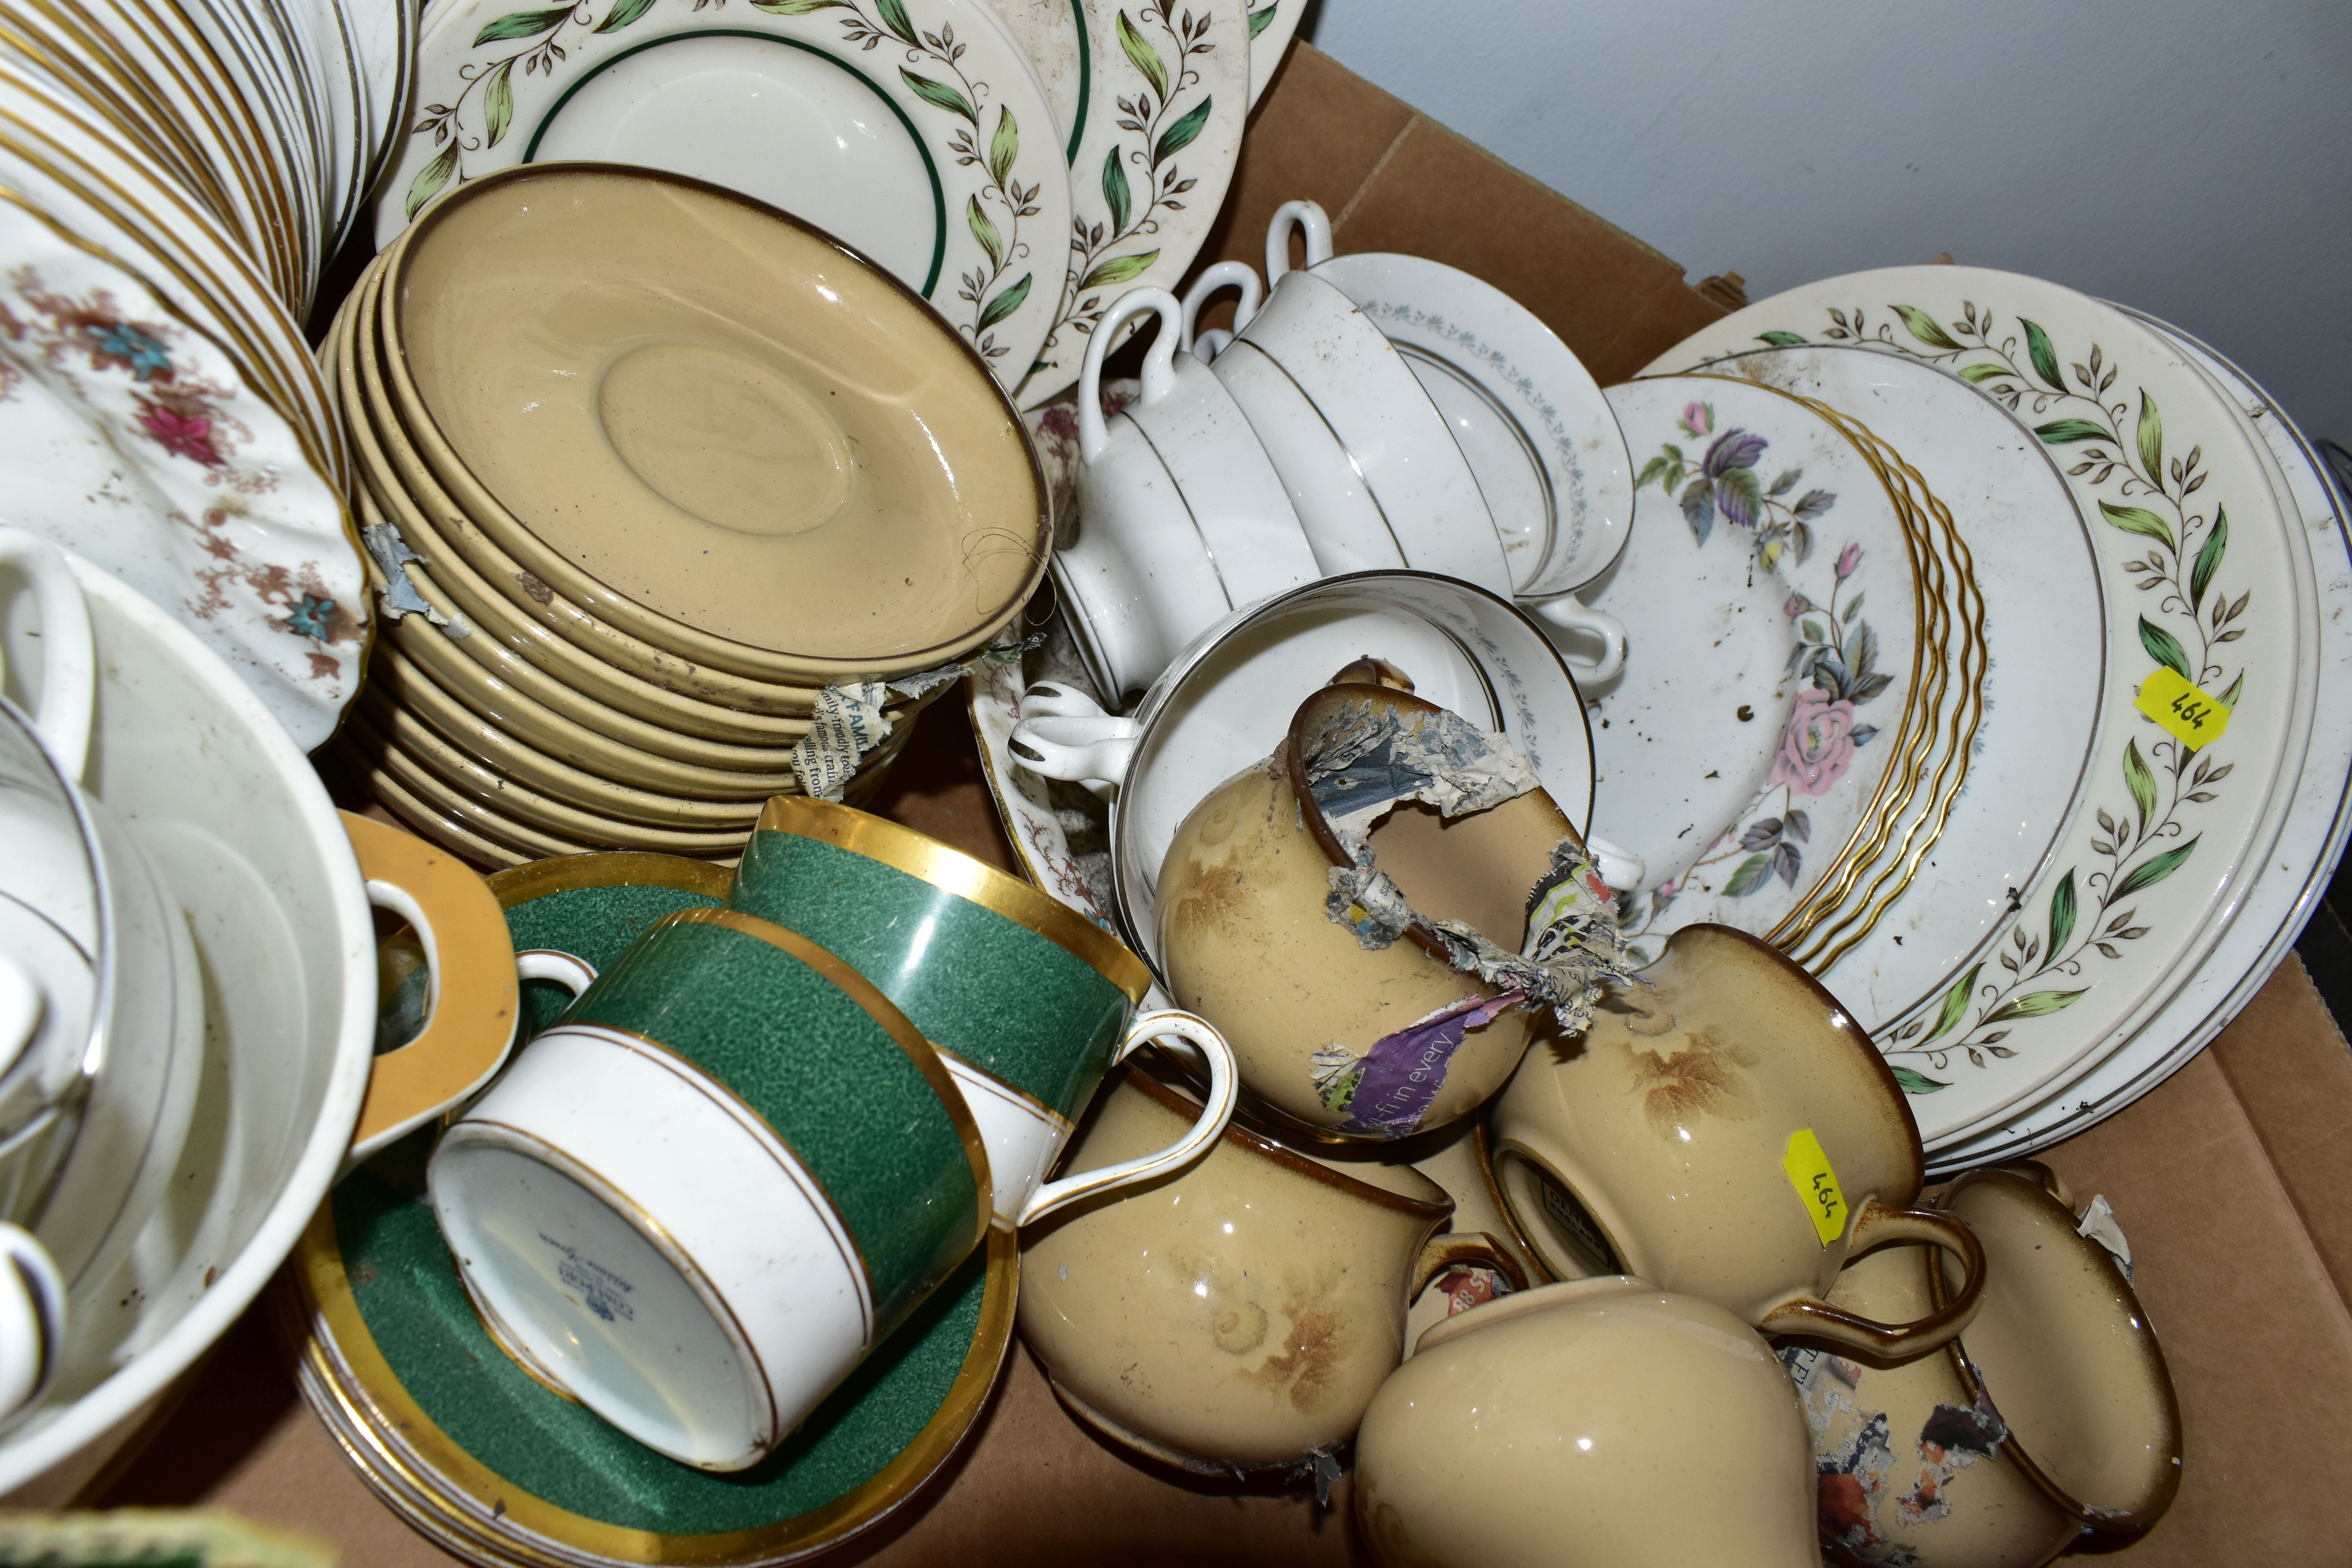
(1382, 916)
(1240, 1315)
(698, 1198)
(1726, 1131)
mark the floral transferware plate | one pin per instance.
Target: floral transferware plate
(1150, 101)
(134, 439)
(912, 130)
(88, 180)
(1542, 440)
(2314, 825)
(2194, 558)
(1796, 674)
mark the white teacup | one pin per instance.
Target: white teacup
(1372, 471)
(1182, 519)
(1508, 476)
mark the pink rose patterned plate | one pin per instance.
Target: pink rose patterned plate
(1797, 680)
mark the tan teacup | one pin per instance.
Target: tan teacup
(1241, 1314)
(1357, 1033)
(2052, 1415)
(1725, 1130)
(1599, 1422)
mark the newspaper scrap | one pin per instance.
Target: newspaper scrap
(398, 596)
(848, 721)
(2099, 1225)
(1364, 759)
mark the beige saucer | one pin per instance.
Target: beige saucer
(707, 424)
(482, 837)
(506, 705)
(409, 492)
(394, 682)
(438, 773)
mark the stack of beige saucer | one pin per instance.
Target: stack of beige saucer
(659, 466)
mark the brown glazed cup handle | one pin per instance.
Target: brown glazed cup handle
(1440, 1253)
(1877, 1226)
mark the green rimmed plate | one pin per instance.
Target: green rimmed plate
(913, 129)
(439, 1421)
(492, 1464)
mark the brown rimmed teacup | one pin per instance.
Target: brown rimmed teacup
(1726, 1131)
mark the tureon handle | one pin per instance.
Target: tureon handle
(1224, 275)
(1309, 216)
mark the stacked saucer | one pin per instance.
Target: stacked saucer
(674, 505)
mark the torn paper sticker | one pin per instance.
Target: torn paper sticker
(2099, 1225)
(848, 721)
(398, 596)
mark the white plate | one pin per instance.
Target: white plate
(133, 439)
(1150, 102)
(912, 130)
(1775, 592)
(1527, 414)
(2148, 873)
(2311, 838)
(81, 173)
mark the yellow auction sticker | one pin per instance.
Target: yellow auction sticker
(1807, 1164)
(2195, 720)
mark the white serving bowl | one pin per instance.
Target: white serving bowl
(246, 841)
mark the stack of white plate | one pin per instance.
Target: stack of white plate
(2033, 743)
(172, 178)
(1034, 162)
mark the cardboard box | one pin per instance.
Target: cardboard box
(2233, 1180)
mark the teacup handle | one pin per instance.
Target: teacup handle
(1620, 869)
(1224, 275)
(32, 1320)
(1310, 217)
(1876, 1227)
(1567, 613)
(69, 652)
(575, 973)
(1057, 700)
(1079, 749)
(469, 1022)
(1159, 362)
(1217, 1108)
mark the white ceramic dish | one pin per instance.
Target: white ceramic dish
(1181, 518)
(1272, 26)
(250, 845)
(1150, 101)
(1370, 467)
(1227, 700)
(2138, 409)
(2315, 823)
(136, 441)
(1793, 699)
(918, 136)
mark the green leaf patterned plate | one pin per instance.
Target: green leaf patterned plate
(1150, 101)
(2194, 561)
(913, 129)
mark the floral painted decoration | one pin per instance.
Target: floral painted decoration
(132, 376)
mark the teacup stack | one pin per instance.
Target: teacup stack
(1373, 412)
(674, 505)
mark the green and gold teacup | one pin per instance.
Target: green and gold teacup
(698, 1198)
(1028, 1003)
